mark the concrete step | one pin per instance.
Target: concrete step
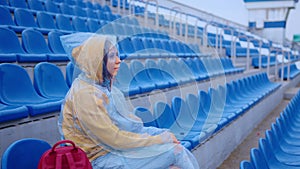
(290, 93)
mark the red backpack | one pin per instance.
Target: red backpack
(66, 157)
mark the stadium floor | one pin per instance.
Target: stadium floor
(242, 151)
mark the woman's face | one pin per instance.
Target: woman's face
(113, 61)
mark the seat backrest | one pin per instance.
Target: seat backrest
(49, 81)
(246, 165)
(257, 159)
(92, 24)
(181, 113)
(6, 18)
(35, 5)
(54, 42)
(79, 24)
(9, 42)
(63, 22)
(163, 115)
(78, 11)
(24, 18)
(18, 3)
(45, 20)
(146, 116)
(12, 93)
(66, 9)
(24, 153)
(91, 13)
(33, 41)
(50, 6)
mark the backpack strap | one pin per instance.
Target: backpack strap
(70, 161)
(58, 162)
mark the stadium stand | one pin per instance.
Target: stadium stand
(155, 61)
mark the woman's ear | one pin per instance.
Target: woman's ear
(76, 51)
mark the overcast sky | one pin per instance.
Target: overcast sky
(235, 10)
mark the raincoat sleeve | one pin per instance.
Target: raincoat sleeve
(97, 124)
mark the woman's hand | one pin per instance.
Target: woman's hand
(174, 139)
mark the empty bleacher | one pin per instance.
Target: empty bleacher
(200, 96)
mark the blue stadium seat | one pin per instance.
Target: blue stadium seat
(93, 25)
(89, 5)
(165, 119)
(118, 29)
(69, 2)
(126, 82)
(246, 165)
(166, 72)
(35, 5)
(9, 113)
(51, 7)
(79, 24)
(149, 121)
(219, 108)
(197, 73)
(257, 159)
(146, 116)
(140, 75)
(16, 155)
(106, 8)
(12, 93)
(79, 11)
(90, 13)
(185, 120)
(80, 3)
(198, 115)
(49, 81)
(7, 21)
(270, 157)
(294, 71)
(18, 3)
(66, 9)
(24, 17)
(45, 21)
(178, 73)
(125, 48)
(69, 73)
(97, 7)
(63, 22)
(11, 50)
(4, 2)
(205, 106)
(55, 45)
(34, 42)
(155, 75)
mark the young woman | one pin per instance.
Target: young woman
(94, 114)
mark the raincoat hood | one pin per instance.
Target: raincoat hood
(86, 51)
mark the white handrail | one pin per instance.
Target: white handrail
(146, 14)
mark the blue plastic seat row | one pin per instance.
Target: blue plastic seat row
(280, 147)
(52, 6)
(150, 47)
(44, 96)
(199, 116)
(294, 71)
(242, 52)
(45, 22)
(34, 47)
(137, 78)
(264, 61)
